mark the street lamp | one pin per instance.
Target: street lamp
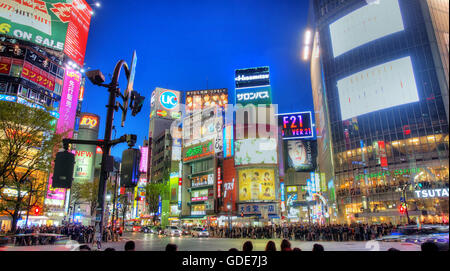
(229, 215)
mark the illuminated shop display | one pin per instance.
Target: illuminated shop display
(198, 209)
(202, 180)
(296, 125)
(256, 184)
(371, 22)
(199, 195)
(382, 86)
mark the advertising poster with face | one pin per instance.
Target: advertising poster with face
(301, 154)
(256, 184)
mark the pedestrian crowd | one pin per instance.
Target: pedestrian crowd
(81, 234)
(306, 232)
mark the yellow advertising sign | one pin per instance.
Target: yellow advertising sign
(256, 184)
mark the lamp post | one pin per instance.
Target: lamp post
(229, 215)
(97, 78)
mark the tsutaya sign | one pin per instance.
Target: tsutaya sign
(432, 193)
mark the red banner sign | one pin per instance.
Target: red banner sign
(38, 76)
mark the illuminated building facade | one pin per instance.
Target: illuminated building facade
(42, 50)
(380, 81)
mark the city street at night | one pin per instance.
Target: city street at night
(224, 127)
(150, 242)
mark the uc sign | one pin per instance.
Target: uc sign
(90, 121)
(168, 100)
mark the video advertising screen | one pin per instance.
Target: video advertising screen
(300, 154)
(387, 85)
(371, 22)
(255, 151)
(256, 184)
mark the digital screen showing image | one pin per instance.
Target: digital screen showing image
(368, 23)
(255, 151)
(383, 86)
(201, 99)
(300, 154)
(256, 184)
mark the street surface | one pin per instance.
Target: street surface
(151, 242)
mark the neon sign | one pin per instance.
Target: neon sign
(296, 125)
(89, 121)
(432, 193)
(199, 151)
(168, 100)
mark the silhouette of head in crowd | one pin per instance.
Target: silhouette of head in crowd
(271, 246)
(429, 247)
(318, 248)
(248, 246)
(130, 246)
(285, 245)
(171, 247)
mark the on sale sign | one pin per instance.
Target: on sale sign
(61, 25)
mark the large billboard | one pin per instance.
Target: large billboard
(165, 103)
(201, 99)
(198, 151)
(255, 96)
(255, 151)
(383, 86)
(77, 31)
(300, 154)
(228, 141)
(256, 184)
(85, 154)
(296, 125)
(252, 77)
(69, 102)
(373, 21)
(144, 159)
(56, 24)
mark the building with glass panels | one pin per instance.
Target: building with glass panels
(379, 73)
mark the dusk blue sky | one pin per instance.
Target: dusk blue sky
(182, 45)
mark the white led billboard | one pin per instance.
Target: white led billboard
(365, 24)
(383, 86)
(255, 151)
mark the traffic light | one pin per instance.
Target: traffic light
(63, 172)
(402, 208)
(37, 210)
(129, 173)
(137, 101)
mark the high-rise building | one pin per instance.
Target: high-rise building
(379, 72)
(256, 147)
(202, 156)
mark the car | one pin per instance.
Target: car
(419, 235)
(157, 230)
(186, 231)
(199, 232)
(146, 229)
(172, 231)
